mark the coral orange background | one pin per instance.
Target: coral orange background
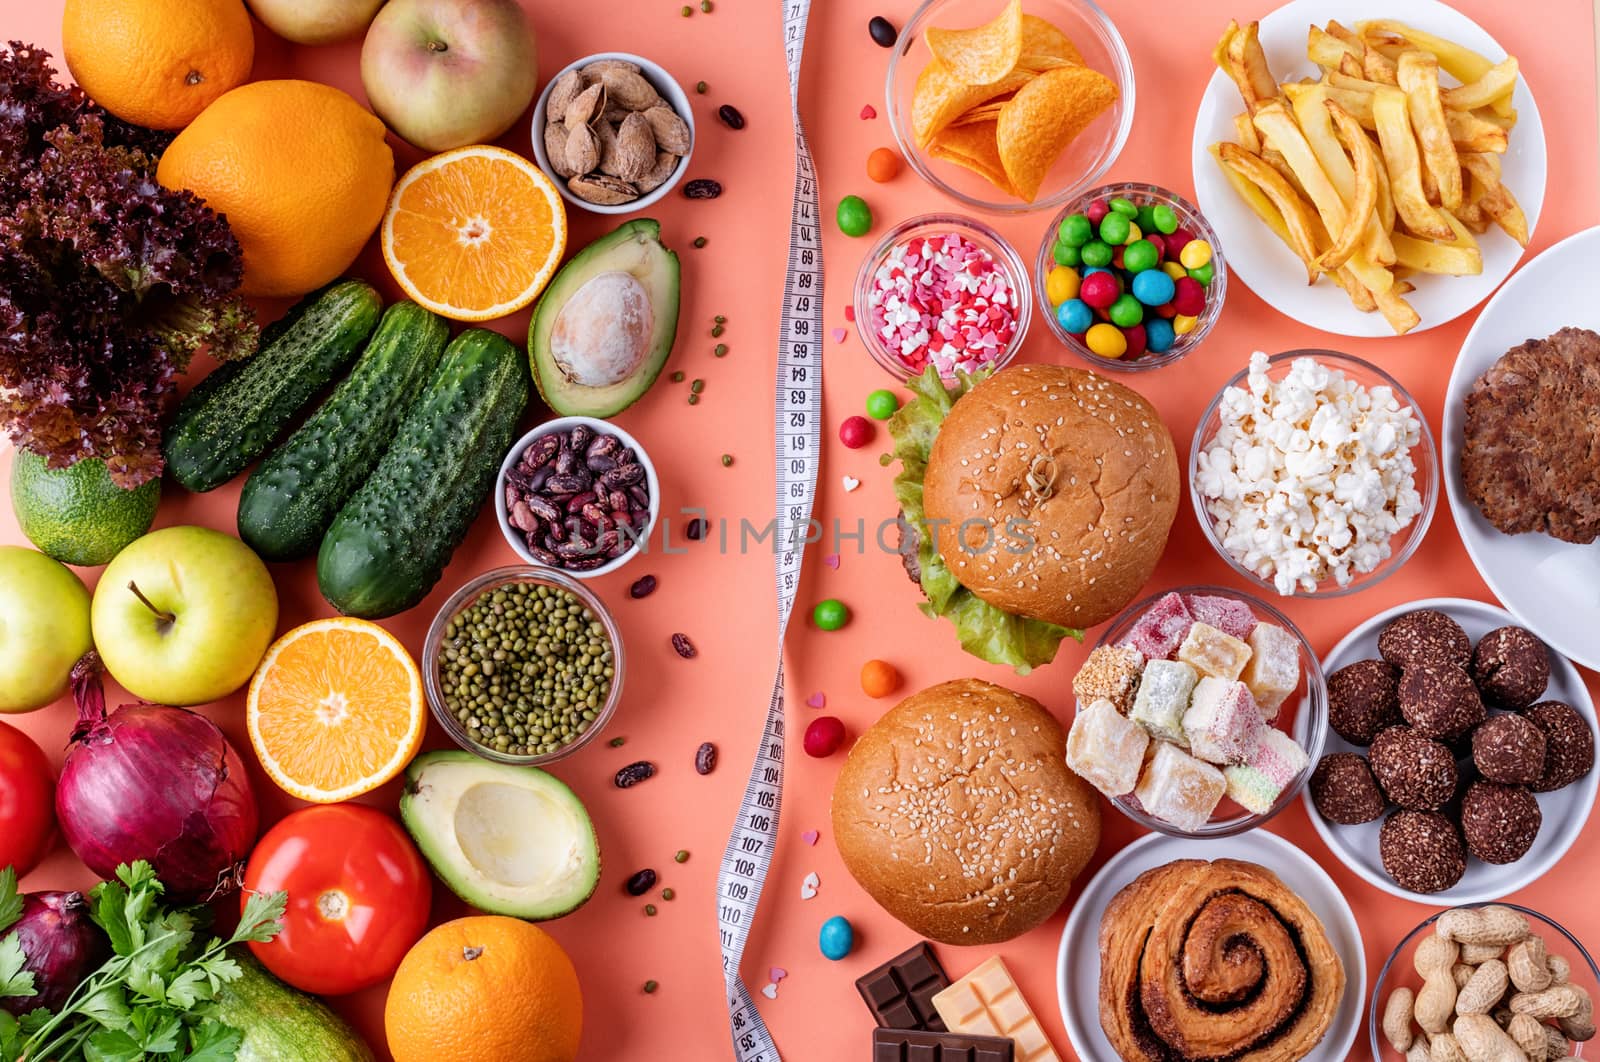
(724, 602)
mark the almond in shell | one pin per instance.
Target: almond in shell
(636, 148)
(666, 163)
(602, 189)
(583, 149)
(671, 131)
(628, 89)
(585, 107)
(562, 93)
(555, 148)
(607, 133)
(594, 69)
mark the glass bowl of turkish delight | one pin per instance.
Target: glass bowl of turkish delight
(1201, 712)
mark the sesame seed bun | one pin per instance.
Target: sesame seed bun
(957, 813)
(1056, 489)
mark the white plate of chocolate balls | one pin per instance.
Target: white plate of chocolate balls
(1459, 762)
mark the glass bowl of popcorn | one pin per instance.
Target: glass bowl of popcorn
(1313, 473)
(1201, 712)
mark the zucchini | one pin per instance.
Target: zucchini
(239, 410)
(281, 1024)
(291, 498)
(390, 543)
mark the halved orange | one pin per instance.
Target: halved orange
(336, 709)
(475, 233)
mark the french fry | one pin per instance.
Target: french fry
(1313, 114)
(1360, 297)
(1386, 211)
(1274, 158)
(1253, 197)
(1470, 133)
(1497, 82)
(1495, 198)
(1240, 54)
(1340, 31)
(1472, 215)
(1351, 67)
(1457, 259)
(1397, 311)
(1298, 216)
(1400, 158)
(1461, 63)
(1379, 67)
(1357, 104)
(1418, 74)
(1324, 49)
(1245, 130)
(1362, 200)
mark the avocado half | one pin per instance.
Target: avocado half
(508, 840)
(604, 326)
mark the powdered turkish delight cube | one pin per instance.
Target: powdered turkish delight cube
(1256, 784)
(1160, 631)
(1226, 614)
(1274, 668)
(1111, 673)
(1106, 748)
(1213, 652)
(1179, 789)
(1164, 691)
(1223, 723)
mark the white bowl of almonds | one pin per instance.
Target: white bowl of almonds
(614, 131)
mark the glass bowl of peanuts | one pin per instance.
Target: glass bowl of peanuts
(1493, 981)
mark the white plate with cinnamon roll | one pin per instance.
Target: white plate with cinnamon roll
(1237, 947)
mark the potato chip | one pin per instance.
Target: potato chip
(1046, 115)
(1044, 38)
(1035, 63)
(984, 112)
(940, 97)
(976, 148)
(980, 55)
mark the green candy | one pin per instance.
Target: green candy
(1203, 275)
(830, 614)
(1125, 207)
(854, 217)
(881, 405)
(1126, 311)
(1139, 256)
(1075, 231)
(1066, 254)
(1114, 228)
(1096, 253)
(1165, 217)
(1147, 218)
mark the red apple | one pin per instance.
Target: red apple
(446, 73)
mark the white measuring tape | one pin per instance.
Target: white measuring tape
(797, 441)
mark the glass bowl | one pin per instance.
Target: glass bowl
(1303, 715)
(488, 582)
(1426, 458)
(1084, 161)
(1189, 220)
(977, 232)
(1398, 971)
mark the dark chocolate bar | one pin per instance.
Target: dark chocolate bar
(900, 992)
(911, 1045)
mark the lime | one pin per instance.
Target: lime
(77, 515)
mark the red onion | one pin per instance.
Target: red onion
(154, 783)
(62, 946)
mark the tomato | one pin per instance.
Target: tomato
(27, 801)
(358, 896)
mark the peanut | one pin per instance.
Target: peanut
(1528, 1032)
(1397, 1019)
(1528, 964)
(1445, 1048)
(1474, 954)
(1461, 973)
(1484, 1041)
(1556, 1045)
(1483, 991)
(1560, 969)
(1557, 1001)
(1484, 925)
(1579, 1026)
(1433, 960)
(1418, 1051)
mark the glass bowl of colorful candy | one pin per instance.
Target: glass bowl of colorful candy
(943, 290)
(1201, 712)
(1161, 278)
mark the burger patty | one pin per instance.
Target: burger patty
(1531, 460)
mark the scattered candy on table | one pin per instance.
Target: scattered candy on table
(854, 217)
(824, 736)
(942, 300)
(809, 885)
(879, 678)
(883, 165)
(830, 614)
(856, 432)
(881, 405)
(883, 32)
(836, 938)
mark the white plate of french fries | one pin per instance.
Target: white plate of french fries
(1367, 174)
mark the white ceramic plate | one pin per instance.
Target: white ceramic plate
(1565, 811)
(1078, 962)
(1553, 587)
(1271, 270)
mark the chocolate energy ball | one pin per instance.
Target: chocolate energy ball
(1426, 636)
(1414, 771)
(1511, 667)
(1439, 700)
(1422, 850)
(1363, 698)
(1509, 749)
(1568, 744)
(1344, 791)
(1499, 822)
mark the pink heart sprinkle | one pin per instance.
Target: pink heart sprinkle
(867, 112)
(809, 837)
(778, 973)
(816, 700)
(838, 335)
(832, 561)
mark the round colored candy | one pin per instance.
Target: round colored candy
(881, 405)
(1091, 270)
(1097, 211)
(1159, 335)
(1135, 336)
(1203, 274)
(1066, 254)
(1134, 233)
(1183, 324)
(830, 614)
(1096, 253)
(854, 217)
(1189, 298)
(1174, 270)
(1075, 231)
(1074, 317)
(1166, 311)
(1125, 207)
(1126, 311)
(1166, 218)
(855, 432)
(1139, 256)
(1195, 254)
(1180, 238)
(883, 165)
(1158, 241)
(1061, 284)
(836, 938)
(824, 736)
(1099, 290)
(1146, 218)
(1106, 340)
(1114, 228)
(1153, 287)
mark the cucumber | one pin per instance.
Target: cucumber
(282, 1025)
(391, 541)
(292, 497)
(239, 410)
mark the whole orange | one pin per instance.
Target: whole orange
(157, 63)
(301, 171)
(485, 989)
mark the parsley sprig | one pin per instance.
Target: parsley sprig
(154, 998)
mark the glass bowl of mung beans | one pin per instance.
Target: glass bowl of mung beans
(523, 665)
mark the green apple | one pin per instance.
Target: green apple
(44, 628)
(183, 615)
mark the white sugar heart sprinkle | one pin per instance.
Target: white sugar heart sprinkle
(808, 887)
(771, 991)
(851, 483)
(816, 700)
(777, 973)
(809, 837)
(838, 335)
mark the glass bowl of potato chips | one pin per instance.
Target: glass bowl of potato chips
(1010, 106)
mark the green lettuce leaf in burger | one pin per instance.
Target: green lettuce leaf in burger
(1034, 503)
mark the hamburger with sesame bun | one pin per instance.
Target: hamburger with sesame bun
(1034, 503)
(958, 814)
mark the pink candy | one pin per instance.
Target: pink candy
(1161, 630)
(942, 301)
(855, 432)
(1226, 614)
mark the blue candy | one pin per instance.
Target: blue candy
(1158, 335)
(1153, 288)
(1074, 316)
(1096, 269)
(836, 938)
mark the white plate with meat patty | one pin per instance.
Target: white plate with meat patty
(1552, 587)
